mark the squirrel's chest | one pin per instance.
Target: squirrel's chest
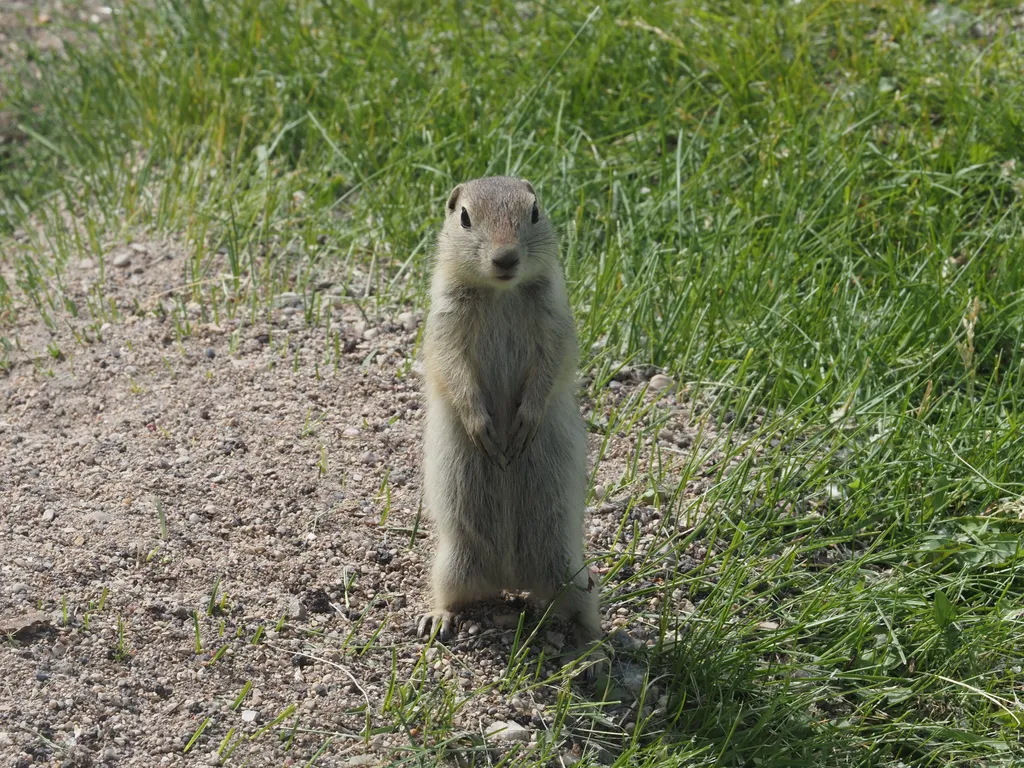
(501, 350)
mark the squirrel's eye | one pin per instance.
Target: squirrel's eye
(535, 214)
(465, 218)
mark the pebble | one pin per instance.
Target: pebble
(368, 458)
(249, 715)
(122, 259)
(211, 352)
(194, 518)
(506, 620)
(108, 755)
(19, 587)
(86, 264)
(97, 517)
(556, 639)
(508, 731)
(600, 492)
(350, 432)
(660, 382)
(48, 516)
(370, 334)
(290, 300)
(295, 609)
(408, 320)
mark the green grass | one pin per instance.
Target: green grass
(810, 212)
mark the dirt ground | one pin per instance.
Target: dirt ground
(288, 481)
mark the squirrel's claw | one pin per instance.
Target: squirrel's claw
(441, 622)
(524, 429)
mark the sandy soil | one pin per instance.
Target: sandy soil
(289, 483)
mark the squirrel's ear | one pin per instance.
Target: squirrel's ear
(454, 197)
(529, 186)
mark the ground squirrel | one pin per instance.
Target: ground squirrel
(504, 444)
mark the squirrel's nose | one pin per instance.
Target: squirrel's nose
(506, 258)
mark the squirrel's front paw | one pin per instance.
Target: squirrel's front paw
(481, 430)
(524, 429)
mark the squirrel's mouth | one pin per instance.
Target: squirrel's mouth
(507, 278)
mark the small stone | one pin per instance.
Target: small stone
(48, 516)
(138, 247)
(370, 334)
(86, 264)
(108, 755)
(101, 518)
(249, 715)
(506, 620)
(211, 353)
(194, 518)
(408, 320)
(556, 639)
(508, 731)
(123, 259)
(19, 587)
(368, 458)
(289, 299)
(350, 432)
(357, 761)
(600, 492)
(660, 382)
(295, 609)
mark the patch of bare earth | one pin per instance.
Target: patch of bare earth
(284, 462)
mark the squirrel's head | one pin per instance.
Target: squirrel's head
(495, 233)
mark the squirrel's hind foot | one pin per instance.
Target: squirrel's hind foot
(440, 621)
